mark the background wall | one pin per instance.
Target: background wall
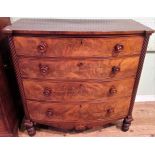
(146, 89)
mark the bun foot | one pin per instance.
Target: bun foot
(29, 125)
(126, 123)
(31, 131)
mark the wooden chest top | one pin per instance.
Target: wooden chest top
(77, 26)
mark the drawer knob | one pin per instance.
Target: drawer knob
(49, 113)
(43, 69)
(115, 69)
(118, 48)
(113, 90)
(47, 92)
(42, 47)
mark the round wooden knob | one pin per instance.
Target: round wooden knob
(42, 48)
(47, 92)
(115, 69)
(43, 69)
(49, 113)
(113, 90)
(118, 48)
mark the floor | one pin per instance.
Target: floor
(143, 125)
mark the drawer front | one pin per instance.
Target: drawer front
(46, 111)
(78, 69)
(74, 47)
(76, 91)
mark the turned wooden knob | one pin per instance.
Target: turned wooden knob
(47, 92)
(115, 69)
(118, 48)
(49, 113)
(43, 69)
(42, 48)
(112, 90)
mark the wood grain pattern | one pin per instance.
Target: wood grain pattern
(80, 113)
(76, 27)
(77, 47)
(142, 126)
(55, 59)
(76, 91)
(77, 69)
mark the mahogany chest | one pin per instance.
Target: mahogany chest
(8, 97)
(77, 74)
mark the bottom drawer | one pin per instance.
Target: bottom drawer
(46, 112)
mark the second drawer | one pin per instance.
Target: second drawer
(76, 91)
(78, 69)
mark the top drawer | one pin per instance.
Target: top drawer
(78, 47)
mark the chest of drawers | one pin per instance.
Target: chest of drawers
(77, 74)
(9, 115)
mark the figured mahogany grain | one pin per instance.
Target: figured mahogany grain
(74, 47)
(78, 69)
(79, 113)
(76, 91)
(54, 57)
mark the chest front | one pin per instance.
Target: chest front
(78, 81)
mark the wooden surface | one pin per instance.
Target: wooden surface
(71, 115)
(76, 26)
(78, 69)
(8, 89)
(4, 21)
(81, 58)
(76, 91)
(78, 47)
(143, 125)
